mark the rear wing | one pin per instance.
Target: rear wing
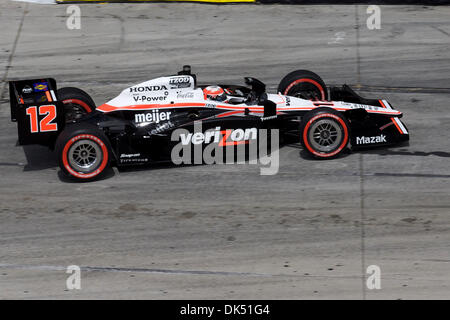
(37, 111)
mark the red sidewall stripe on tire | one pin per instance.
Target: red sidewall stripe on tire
(79, 102)
(322, 92)
(79, 174)
(325, 155)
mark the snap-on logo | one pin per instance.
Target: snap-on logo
(127, 155)
(226, 137)
(154, 116)
(370, 140)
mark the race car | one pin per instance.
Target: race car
(136, 127)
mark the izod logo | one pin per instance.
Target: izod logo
(179, 80)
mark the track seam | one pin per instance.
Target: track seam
(363, 230)
(361, 166)
(359, 86)
(13, 51)
(168, 271)
(358, 55)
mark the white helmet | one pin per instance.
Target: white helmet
(215, 93)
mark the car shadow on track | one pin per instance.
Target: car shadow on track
(42, 158)
(388, 152)
(381, 150)
(39, 158)
(307, 156)
(108, 173)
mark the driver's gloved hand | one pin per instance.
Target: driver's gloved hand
(262, 98)
(251, 98)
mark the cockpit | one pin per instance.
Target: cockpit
(232, 94)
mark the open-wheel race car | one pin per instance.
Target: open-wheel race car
(135, 127)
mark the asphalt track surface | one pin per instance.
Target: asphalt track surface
(225, 231)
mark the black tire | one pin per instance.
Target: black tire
(304, 84)
(324, 133)
(77, 103)
(84, 152)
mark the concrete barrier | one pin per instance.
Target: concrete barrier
(387, 2)
(142, 1)
(394, 2)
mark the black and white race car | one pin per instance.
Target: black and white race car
(136, 127)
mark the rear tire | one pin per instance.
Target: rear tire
(83, 152)
(77, 103)
(324, 133)
(304, 84)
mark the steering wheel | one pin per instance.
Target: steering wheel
(251, 97)
(257, 90)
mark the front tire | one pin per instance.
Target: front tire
(324, 133)
(304, 84)
(83, 153)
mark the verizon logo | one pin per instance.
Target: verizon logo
(225, 137)
(246, 145)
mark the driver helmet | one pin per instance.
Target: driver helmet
(215, 93)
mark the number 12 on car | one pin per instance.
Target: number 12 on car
(45, 125)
